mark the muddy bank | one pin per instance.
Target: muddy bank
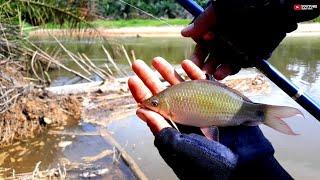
(34, 111)
(27, 108)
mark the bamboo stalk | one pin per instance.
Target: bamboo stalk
(126, 55)
(84, 62)
(96, 67)
(32, 66)
(72, 56)
(46, 56)
(133, 55)
(106, 65)
(112, 62)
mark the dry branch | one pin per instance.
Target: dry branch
(125, 156)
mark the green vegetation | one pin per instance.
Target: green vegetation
(140, 22)
(125, 23)
(133, 9)
(37, 12)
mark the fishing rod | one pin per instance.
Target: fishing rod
(271, 72)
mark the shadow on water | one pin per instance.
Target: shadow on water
(296, 58)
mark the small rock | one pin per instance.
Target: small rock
(64, 144)
(47, 120)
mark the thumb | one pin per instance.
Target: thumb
(154, 120)
(201, 25)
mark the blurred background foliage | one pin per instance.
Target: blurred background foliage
(116, 9)
(38, 12)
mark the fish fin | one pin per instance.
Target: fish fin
(274, 115)
(251, 123)
(173, 123)
(212, 133)
(229, 89)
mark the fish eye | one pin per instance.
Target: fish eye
(155, 102)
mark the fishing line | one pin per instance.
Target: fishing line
(145, 12)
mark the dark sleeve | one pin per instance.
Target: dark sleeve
(192, 156)
(255, 154)
(263, 169)
(250, 30)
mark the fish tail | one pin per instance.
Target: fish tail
(274, 114)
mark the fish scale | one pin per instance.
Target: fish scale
(203, 103)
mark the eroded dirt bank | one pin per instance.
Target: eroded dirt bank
(26, 108)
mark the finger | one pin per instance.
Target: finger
(201, 24)
(199, 55)
(166, 70)
(154, 120)
(148, 77)
(192, 70)
(225, 70)
(138, 90)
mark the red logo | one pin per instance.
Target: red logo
(297, 7)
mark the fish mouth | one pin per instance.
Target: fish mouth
(140, 105)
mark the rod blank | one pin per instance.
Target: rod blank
(271, 72)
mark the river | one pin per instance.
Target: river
(298, 58)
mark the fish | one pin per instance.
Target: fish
(205, 104)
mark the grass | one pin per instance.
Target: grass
(126, 23)
(140, 22)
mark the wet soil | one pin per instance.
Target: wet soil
(26, 109)
(35, 111)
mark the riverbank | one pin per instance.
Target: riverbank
(304, 30)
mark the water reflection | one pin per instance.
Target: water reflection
(299, 60)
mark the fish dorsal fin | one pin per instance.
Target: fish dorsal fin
(211, 133)
(217, 83)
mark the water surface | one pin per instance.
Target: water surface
(297, 58)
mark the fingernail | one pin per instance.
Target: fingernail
(185, 30)
(141, 115)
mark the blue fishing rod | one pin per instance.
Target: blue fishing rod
(271, 72)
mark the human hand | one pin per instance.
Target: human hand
(233, 34)
(189, 155)
(242, 151)
(147, 83)
(201, 31)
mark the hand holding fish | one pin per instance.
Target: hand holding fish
(148, 84)
(242, 151)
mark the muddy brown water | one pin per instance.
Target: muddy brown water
(297, 58)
